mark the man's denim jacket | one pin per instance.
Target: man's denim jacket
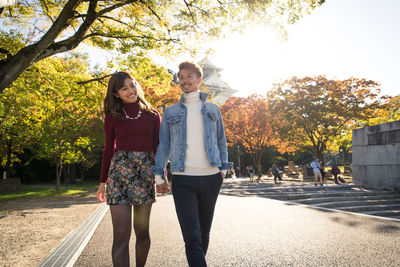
(173, 137)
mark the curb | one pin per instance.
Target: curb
(72, 246)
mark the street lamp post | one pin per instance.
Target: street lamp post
(238, 156)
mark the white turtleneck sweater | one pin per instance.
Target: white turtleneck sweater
(196, 158)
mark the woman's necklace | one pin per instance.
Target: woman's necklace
(134, 118)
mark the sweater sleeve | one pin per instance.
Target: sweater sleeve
(108, 148)
(157, 123)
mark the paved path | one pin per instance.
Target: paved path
(258, 231)
(345, 197)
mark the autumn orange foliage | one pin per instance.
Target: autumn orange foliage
(248, 122)
(315, 110)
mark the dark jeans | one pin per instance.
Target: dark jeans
(336, 180)
(277, 176)
(195, 199)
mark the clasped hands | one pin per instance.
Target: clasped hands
(163, 188)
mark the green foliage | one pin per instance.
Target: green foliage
(47, 112)
(72, 112)
(136, 27)
(20, 121)
(52, 111)
(10, 43)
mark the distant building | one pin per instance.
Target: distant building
(212, 79)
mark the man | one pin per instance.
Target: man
(192, 136)
(316, 166)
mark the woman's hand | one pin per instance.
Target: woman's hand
(101, 192)
(163, 188)
(223, 176)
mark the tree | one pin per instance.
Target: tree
(315, 109)
(388, 111)
(19, 123)
(72, 124)
(248, 123)
(48, 28)
(156, 81)
(49, 113)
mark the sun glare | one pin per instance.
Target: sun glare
(251, 61)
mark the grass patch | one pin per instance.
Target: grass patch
(37, 191)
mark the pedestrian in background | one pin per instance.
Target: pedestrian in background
(316, 166)
(251, 173)
(275, 171)
(335, 171)
(322, 169)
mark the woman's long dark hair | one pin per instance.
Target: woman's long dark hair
(113, 104)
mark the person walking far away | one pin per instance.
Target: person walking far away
(316, 166)
(251, 173)
(335, 171)
(131, 130)
(322, 170)
(192, 136)
(275, 171)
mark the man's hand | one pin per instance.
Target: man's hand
(163, 188)
(223, 176)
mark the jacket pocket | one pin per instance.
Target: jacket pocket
(174, 124)
(212, 116)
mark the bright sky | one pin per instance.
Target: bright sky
(340, 39)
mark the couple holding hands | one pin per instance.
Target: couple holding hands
(137, 149)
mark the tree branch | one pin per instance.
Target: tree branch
(190, 11)
(151, 10)
(46, 11)
(130, 37)
(73, 41)
(111, 8)
(116, 20)
(99, 79)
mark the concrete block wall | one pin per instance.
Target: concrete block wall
(376, 156)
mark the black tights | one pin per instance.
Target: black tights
(121, 216)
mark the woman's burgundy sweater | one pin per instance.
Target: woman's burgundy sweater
(129, 135)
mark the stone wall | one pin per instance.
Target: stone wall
(376, 156)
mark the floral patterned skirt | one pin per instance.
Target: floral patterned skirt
(130, 180)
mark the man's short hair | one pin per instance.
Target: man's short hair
(191, 66)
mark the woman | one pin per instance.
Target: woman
(131, 130)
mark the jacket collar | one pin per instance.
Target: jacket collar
(203, 97)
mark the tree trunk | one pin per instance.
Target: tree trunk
(8, 162)
(67, 174)
(59, 168)
(13, 66)
(257, 164)
(82, 173)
